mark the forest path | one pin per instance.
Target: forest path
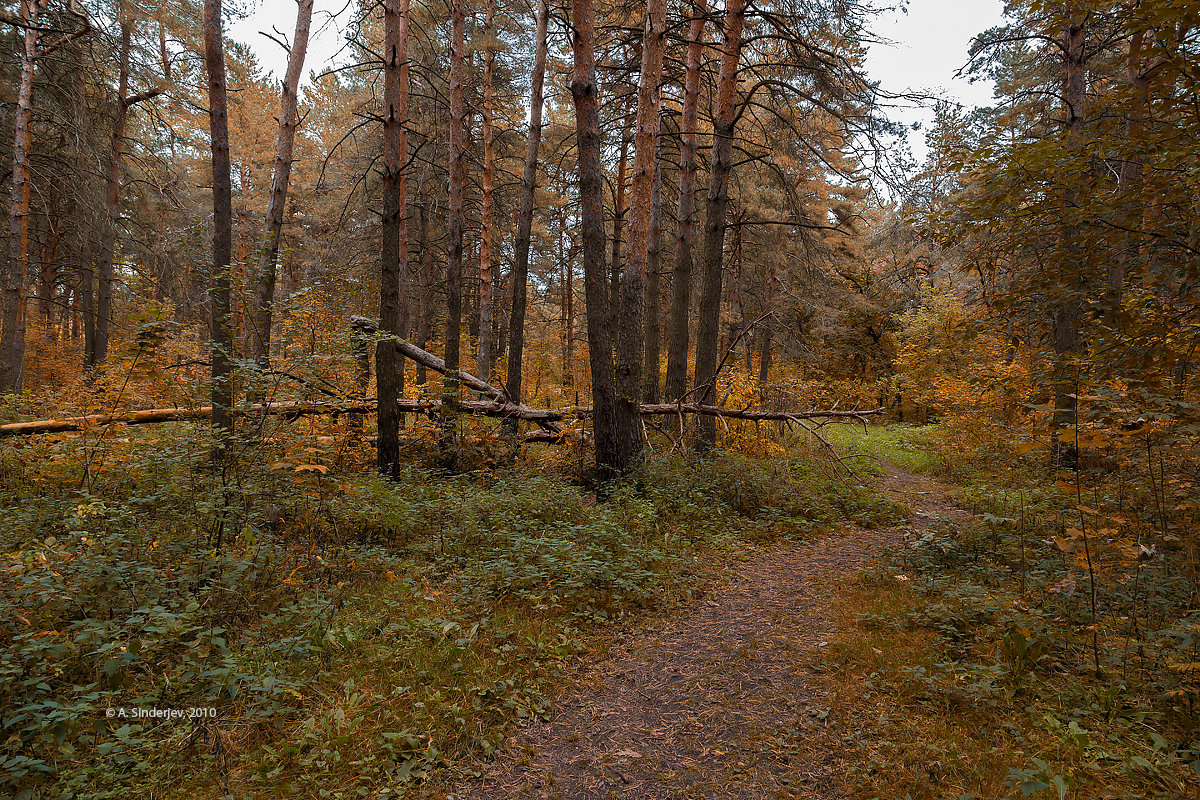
(716, 701)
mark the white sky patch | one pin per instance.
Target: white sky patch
(278, 18)
(929, 44)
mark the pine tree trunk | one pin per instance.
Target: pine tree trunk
(12, 312)
(631, 336)
(454, 245)
(708, 332)
(502, 291)
(650, 392)
(260, 340)
(585, 96)
(566, 257)
(1130, 180)
(737, 309)
(393, 263)
(520, 271)
(487, 182)
(48, 261)
(1068, 314)
(424, 276)
(764, 357)
(681, 281)
(218, 123)
(80, 213)
(112, 205)
(619, 208)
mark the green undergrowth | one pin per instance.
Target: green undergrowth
(1048, 648)
(322, 632)
(906, 446)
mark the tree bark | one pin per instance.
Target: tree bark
(82, 214)
(393, 263)
(708, 332)
(767, 331)
(260, 340)
(1068, 314)
(222, 192)
(585, 96)
(681, 281)
(651, 382)
(619, 208)
(47, 279)
(631, 337)
(12, 312)
(424, 275)
(520, 271)
(487, 181)
(454, 246)
(566, 257)
(737, 309)
(112, 205)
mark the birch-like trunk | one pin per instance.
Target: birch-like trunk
(260, 340)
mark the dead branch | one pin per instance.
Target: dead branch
(500, 400)
(544, 417)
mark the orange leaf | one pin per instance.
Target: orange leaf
(1065, 545)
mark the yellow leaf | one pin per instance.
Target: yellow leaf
(321, 468)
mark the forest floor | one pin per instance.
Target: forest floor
(723, 698)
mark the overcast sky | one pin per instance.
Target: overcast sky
(929, 44)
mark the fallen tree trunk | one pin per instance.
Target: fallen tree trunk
(430, 360)
(674, 409)
(158, 415)
(544, 417)
(497, 406)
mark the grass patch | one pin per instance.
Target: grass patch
(974, 665)
(906, 446)
(932, 710)
(350, 635)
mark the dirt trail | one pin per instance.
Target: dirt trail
(717, 701)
